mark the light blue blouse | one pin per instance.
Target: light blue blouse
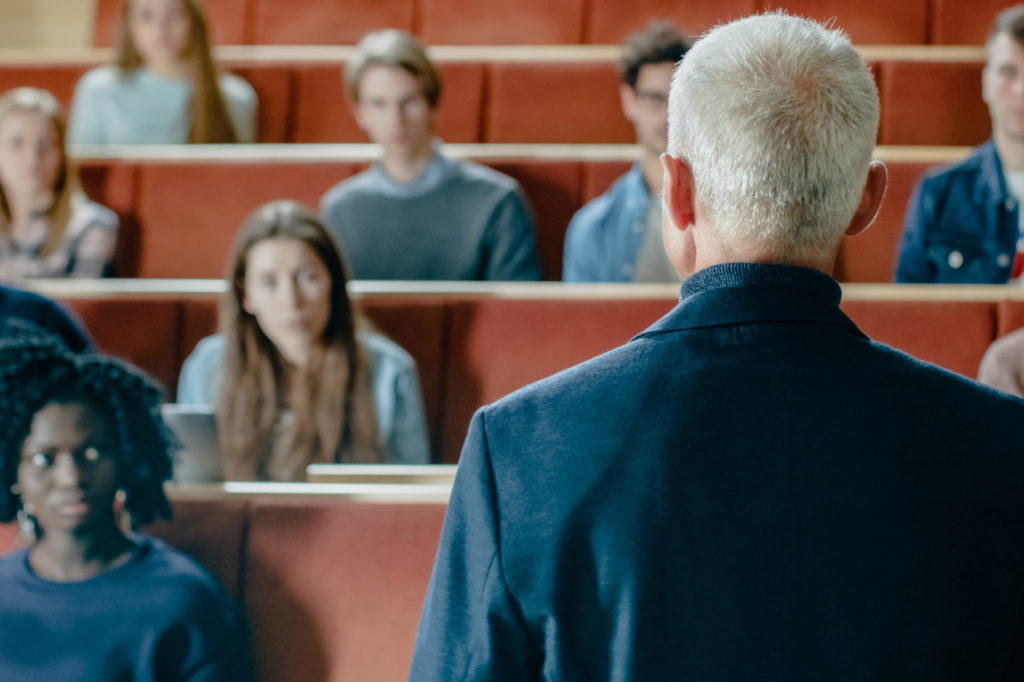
(395, 385)
(140, 107)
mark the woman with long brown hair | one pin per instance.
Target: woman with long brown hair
(163, 87)
(294, 379)
(48, 228)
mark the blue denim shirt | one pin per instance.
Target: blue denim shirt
(604, 237)
(961, 225)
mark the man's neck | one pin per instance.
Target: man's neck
(1011, 153)
(407, 167)
(654, 174)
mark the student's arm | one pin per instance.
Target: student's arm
(408, 439)
(85, 123)
(95, 249)
(512, 243)
(471, 628)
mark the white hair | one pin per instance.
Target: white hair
(777, 116)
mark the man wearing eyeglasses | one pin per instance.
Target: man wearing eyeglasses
(617, 236)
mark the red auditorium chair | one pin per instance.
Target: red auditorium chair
(585, 96)
(869, 22)
(228, 21)
(955, 22)
(922, 329)
(501, 22)
(610, 21)
(326, 22)
(932, 103)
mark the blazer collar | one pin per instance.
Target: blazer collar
(743, 293)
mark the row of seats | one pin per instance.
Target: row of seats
(171, 204)
(476, 346)
(931, 101)
(469, 22)
(332, 587)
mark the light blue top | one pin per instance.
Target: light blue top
(395, 384)
(604, 237)
(140, 107)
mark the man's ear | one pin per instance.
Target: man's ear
(627, 98)
(870, 199)
(679, 191)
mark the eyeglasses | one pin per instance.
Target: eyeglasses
(652, 99)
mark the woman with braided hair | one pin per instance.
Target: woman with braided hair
(87, 600)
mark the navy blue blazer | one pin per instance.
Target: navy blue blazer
(748, 490)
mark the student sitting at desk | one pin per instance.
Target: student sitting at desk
(85, 600)
(48, 228)
(163, 87)
(293, 379)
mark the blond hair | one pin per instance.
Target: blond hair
(65, 187)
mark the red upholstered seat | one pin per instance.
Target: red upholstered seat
(417, 323)
(228, 21)
(274, 88)
(141, 329)
(334, 591)
(951, 334)
(932, 103)
(58, 78)
(1011, 316)
(555, 102)
(871, 255)
(8, 537)
(499, 345)
(553, 188)
(188, 225)
(325, 22)
(212, 533)
(501, 22)
(869, 22)
(954, 22)
(598, 176)
(610, 21)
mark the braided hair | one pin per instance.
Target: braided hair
(37, 369)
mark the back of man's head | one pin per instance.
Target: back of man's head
(658, 43)
(777, 117)
(1009, 21)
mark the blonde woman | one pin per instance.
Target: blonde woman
(48, 228)
(163, 87)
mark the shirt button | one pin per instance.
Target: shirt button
(956, 259)
(1003, 260)
(1011, 204)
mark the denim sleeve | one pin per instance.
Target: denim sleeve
(471, 628)
(408, 442)
(200, 373)
(512, 242)
(912, 265)
(578, 257)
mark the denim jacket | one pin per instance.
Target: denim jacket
(604, 237)
(961, 225)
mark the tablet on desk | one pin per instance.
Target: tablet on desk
(199, 459)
